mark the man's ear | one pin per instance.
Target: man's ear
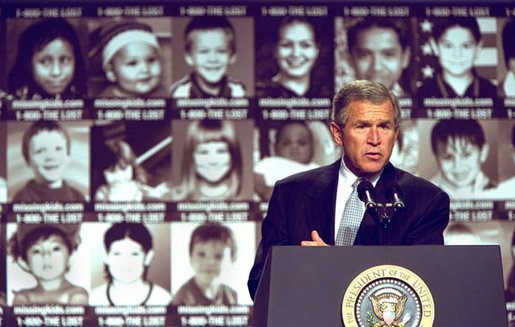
(148, 257)
(109, 72)
(484, 153)
(336, 133)
(233, 58)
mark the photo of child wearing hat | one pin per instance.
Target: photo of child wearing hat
(44, 251)
(130, 56)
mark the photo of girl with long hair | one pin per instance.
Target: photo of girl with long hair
(214, 160)
(291, 62)
(49, 62)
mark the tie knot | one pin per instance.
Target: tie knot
(356, 183)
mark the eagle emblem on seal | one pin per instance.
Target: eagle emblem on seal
(388, 305)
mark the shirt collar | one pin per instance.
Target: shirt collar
(349, 177)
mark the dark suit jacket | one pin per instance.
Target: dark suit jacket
(305, 202)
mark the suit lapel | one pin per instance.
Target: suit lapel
(323, 196)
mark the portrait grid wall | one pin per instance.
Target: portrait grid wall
(140, 143)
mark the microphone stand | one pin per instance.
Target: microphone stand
(384, 212)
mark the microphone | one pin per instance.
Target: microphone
(366, 194)
(396, 196)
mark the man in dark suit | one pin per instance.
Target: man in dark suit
(308, 208)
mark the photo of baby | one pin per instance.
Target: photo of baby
(133, 63)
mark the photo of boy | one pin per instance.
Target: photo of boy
(457, 45)
(44, 252)
(211, 274)
(210, 245)
(461, 151)
(46, 149)
(210, 49)
(131, 59)
(379, 50)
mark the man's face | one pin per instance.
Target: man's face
(378, 56)
(457, 50)
(460, 161)
(368, 136)
(49, 157)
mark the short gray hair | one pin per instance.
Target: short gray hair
(362, 90)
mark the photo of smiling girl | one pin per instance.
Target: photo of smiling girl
(293, 61)
(212, 160)
(44, 254)
(48, 63)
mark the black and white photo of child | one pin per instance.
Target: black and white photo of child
(130, 58)
(456, 58)
(406, 150)
(377, 49)
(48, 161)
(207, 261)
(134, 271)
(212, 160)
(294, 59)
(49, 61)
(217, 57)
(42, 265)
(293, 147)
(126, 167)
(464, 156)
(506, 159)
(507, 56)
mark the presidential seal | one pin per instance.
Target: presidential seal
(387, 296)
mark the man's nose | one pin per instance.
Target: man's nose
(373, 136)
